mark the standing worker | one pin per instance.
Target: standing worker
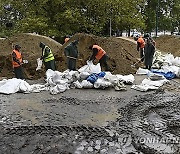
(47, 57)
(17, 62)
(140, 47)
(100, 55)
(71, 52)
(149, 52)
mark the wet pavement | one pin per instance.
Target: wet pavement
(91, 121)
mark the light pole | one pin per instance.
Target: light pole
(110, 27)
(157, 10)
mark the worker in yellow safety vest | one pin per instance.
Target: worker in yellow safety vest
(47, 57)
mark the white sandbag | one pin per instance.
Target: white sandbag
(57, 77)
(3, 82)
(176, 61)
(13, 85)
(36, 88)
(71, 75)
(128, 79)
(101, 83)
(90, 68)
(144, 88)
(148, 84)
(178, 73)
(158, 59)
(78, 85)
(168, 59)
(86, 84)
(111, 78)
(58, 89)
(154, 83)
(49, 73)
(84, 68)
(142, 71)
(172, 68)
(84, 75)
(94, 68)
(24, 87)
(39, 64)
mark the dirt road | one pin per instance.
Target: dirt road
(90, 121)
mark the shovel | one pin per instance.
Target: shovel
(74, 58)
(137, 62)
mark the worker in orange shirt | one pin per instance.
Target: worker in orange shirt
(100, 55)
(17, 62)
(140, 47)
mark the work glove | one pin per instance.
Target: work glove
(25, 61)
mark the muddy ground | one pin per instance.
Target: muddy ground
(88, 120)
(91, 121)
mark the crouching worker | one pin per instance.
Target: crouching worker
(100, 55)
(47, 57)
(17, 62)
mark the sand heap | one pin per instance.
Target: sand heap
(122, 53)
(31, 51)
(169, 44)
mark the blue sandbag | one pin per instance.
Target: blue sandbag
(101, 74)
(168, 75)
(92, 78)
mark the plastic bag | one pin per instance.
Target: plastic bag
(86, 84)
(101, 83)
(39, 63)
(90, 68)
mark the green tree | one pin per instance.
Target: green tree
(61, 17)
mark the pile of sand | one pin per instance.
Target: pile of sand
(169, 44)
(30, 50)
(122, 53)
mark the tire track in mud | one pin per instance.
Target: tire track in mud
(148, 124)
(153, 121)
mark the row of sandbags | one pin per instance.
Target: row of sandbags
(165, 63)
(165, 68)
(88, 76)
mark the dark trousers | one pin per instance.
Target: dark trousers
(142, 54)
(103, 62)
(71, 64)
(19, 72)
(50, 65)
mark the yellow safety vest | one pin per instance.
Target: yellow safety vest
(49, 57)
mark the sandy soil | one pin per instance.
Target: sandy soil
(169, 44)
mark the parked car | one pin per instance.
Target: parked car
(135, 34)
